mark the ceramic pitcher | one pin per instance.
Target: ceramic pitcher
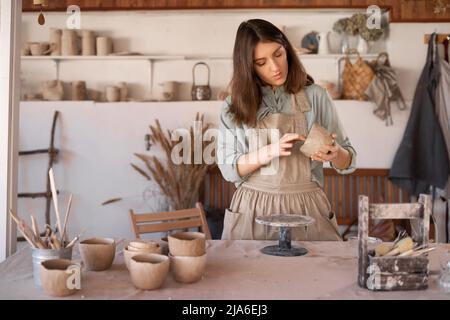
(322, 37)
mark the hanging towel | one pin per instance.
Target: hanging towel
(384, 89)
(421, 160)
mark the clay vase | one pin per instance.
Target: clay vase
(317, 137)
(55, 41)
(53, 90)
(70, 43)
(190, 244)
(54, 278)
(88, 43)
(112, 94)
(104, 46)
(97, 253)
(123, 91)
(149, 271)
(79, 92)
(187, 269)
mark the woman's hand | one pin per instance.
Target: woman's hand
(280, 148)
(333, 152)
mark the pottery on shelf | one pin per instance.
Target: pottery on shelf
(52, 90)
(149, 271)
(79, 91)
(88, 43)
(97, 253)
(40, 48)
(55, 41)
(70, 43)
(104, 46)
(112, 94)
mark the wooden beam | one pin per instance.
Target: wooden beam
(10, 28)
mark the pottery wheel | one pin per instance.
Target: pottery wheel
(285, 223)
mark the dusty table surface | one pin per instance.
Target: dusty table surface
(235, 270)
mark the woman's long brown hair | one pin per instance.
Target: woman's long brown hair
(246, 94)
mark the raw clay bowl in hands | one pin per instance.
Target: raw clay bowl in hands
(317, 138)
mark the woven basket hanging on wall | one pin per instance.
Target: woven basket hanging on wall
(356, 78)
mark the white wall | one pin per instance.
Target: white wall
(97, 140)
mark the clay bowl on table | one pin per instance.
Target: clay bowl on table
(129, 251)
(317, 137)
(98, 253)
(148, 271)
(54, 278)
(187, 269)
(190, 244)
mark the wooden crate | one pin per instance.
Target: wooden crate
(397, 273)
(393, 273)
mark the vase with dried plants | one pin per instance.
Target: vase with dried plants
(179, 181)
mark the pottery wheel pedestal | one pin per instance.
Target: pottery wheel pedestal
(285, 223)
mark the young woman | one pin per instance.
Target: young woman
(270, 90)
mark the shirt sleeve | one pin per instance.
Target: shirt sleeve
(230, 146)
(329, 120)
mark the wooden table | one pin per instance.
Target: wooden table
(235, 270)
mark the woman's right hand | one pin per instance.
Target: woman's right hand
(280, 148)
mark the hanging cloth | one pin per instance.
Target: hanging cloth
(421, 160)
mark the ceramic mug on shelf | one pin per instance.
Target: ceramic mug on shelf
(169, 90)
(104, 46)
(40, 48)
(112, 94)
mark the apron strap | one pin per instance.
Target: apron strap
(301, 102)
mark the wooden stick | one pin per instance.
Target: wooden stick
(18, 222)
(56, 242)
(55, 198)
(63, 234)
(422, 251)
(37, 234)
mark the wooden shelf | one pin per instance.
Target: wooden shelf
(178, 57)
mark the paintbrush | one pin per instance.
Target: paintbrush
(63, 234)
(55, 198)
(37, 235)
(75, 239)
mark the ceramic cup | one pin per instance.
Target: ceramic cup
(104, 46)
(187, 269)
(97, 253)
(40, 48)
(56, 277)
(149, 271)
(112, 94)
(139, 247)
(191, 244)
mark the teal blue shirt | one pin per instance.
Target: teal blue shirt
(322, 111)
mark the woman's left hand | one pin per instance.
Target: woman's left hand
(328, 152)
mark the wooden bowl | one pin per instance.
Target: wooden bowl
(128, 254)
(187, 269)
(97, 253)
(191, 244)
(54, 278)
(149, 271)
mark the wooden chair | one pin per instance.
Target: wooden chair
(419, 211)
(171, 220)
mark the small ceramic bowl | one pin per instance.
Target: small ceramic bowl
(187, 269)
(149, 271)
(143, 245)
(128, 254)
(191, 244)
(98, 253)
(55, 278)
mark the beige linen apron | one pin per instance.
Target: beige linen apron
(289, 191)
